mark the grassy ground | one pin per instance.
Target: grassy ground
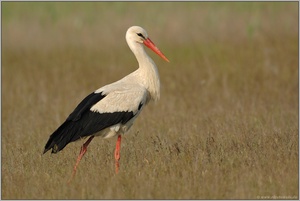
(226, 126)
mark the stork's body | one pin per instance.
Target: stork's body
(112, 109)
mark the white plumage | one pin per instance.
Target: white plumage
(123, 97)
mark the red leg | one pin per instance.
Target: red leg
(117, 153)
(82, 152)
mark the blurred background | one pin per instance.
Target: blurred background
(226, 126)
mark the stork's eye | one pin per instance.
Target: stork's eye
(141, 35)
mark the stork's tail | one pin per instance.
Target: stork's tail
(61, 137)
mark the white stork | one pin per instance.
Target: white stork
(112, 109)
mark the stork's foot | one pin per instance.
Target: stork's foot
(117, 164)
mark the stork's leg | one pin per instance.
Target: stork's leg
(82, 152)
(117, 153)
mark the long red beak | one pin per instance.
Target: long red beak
(152, 46)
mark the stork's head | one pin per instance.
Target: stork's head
(138, 35)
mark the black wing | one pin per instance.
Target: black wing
(82, 122)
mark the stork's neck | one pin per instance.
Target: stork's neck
(147, 72)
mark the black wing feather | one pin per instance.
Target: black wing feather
(90, 122)
(84, 105)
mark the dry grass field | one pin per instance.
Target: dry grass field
(226, 126)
